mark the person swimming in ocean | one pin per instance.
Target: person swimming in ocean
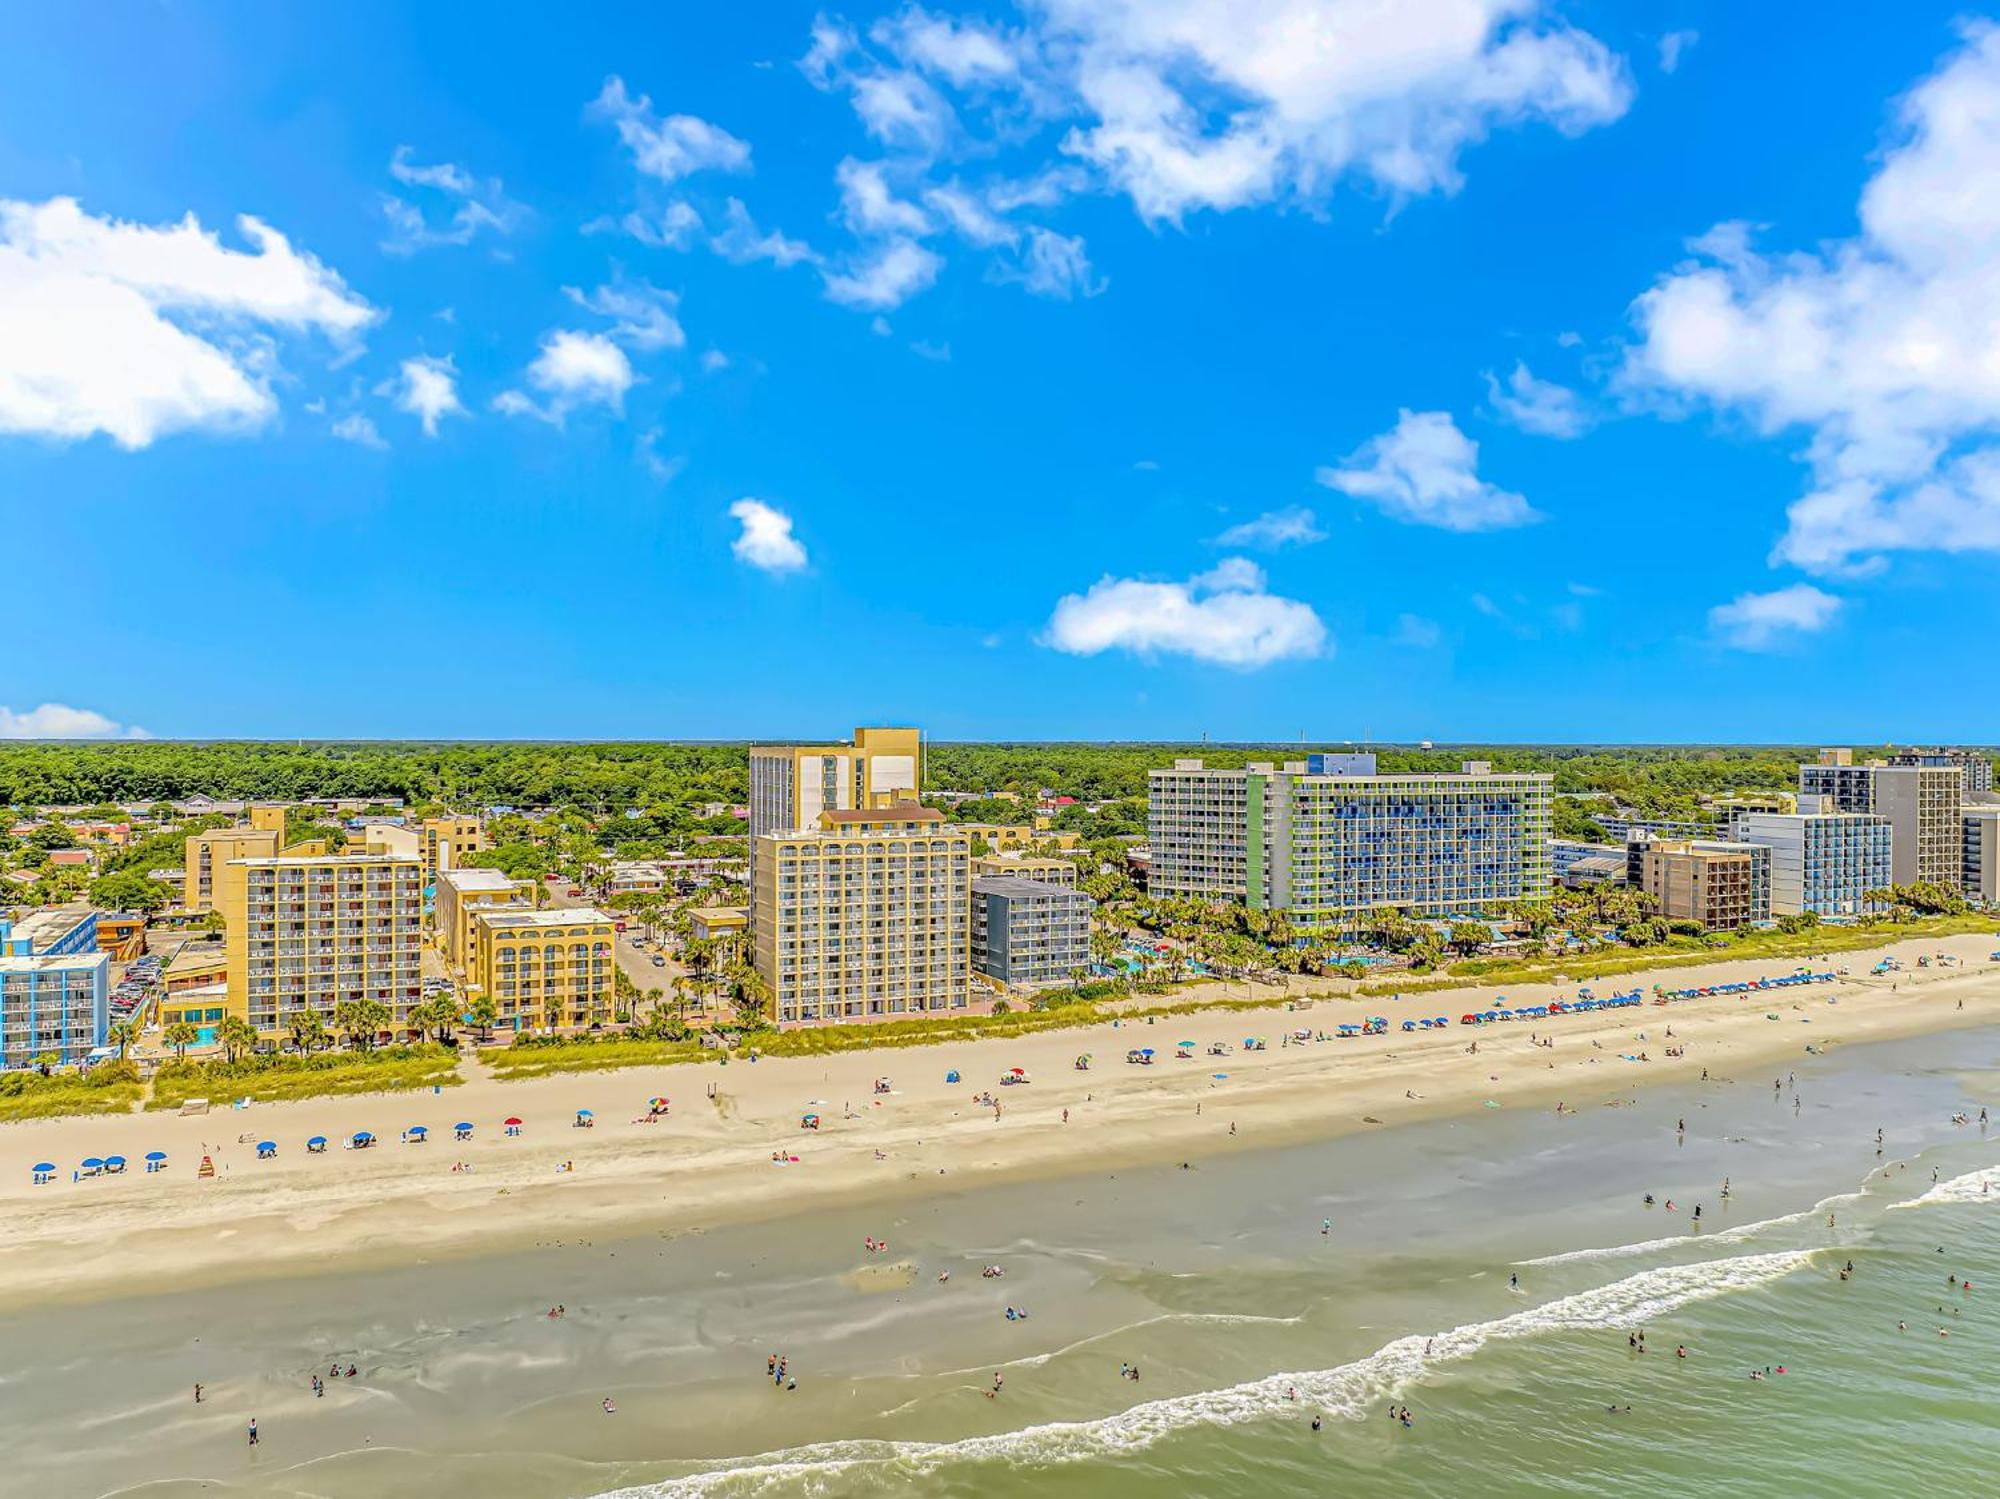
(1315, 1423)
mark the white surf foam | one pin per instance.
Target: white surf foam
(1736, 1235)
(1974, 1186)
(1353, 1390)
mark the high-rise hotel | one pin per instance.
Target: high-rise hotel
(860, 898)
(1329, 840)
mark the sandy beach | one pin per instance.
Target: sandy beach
(710, 1161)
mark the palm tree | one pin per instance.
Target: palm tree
(123, 1035)
(180, 1036)
(308, 1028)
(238, 1037)
(484, 1014)
(753, 995)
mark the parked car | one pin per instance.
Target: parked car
(573, 892)
(658, 961)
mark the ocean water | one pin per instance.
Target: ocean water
(1243, 1318)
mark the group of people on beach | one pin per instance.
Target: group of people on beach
(778, 1368)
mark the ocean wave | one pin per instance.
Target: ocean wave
(1353, 1390)
(1735, 1235)
(1971, 1187)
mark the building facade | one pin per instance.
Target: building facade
(53, 1005)
(1027, 934)
(544, 970)
(1009, 837)
(1330, 841)
(866, 917)
(1720, 885)
(1049, 870)
(1922, 804)
(53, 933)
(445, 842)
(1981, 855)
(257, 837)
(311, 932)
(460, 894)
(1823, 863)
(1976, 765)
(792, 784)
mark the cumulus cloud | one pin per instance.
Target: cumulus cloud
(1878, 348)
(1424, 471)
(739, 240)
(1188, 105)
(1224, 616)
(642, 315)
(870, 206)
(137, 331)
(359, 430)
(427, 389)
(1053, 265)
(1766, 621)
(1538, 406)
(965, 52)
(671, 148)
(971, 219)
(573, 370)
(884, 276)
(60, 721)
(1295, 526)
(475, 206)
(765, 541)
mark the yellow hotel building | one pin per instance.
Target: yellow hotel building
(1006, 837)
(261, 837)
(447, 841)
(867, 917)
(460, 895)
(545, 970)
(314, 931)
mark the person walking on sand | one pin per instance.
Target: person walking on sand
(253, 1431)
(197, 1392)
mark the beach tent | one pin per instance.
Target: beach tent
(92, 1165)
(317, 1144)
(155, 1159)
(114, 1163)
(951, 1076)
(43, 1172)
(416, 1134)
(463, 1129)
(266, 1149)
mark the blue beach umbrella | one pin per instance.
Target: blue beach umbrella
(92, 1163)
(316, 1140)
(45, 1167)
(463, 1125)
(114, 1160)
(156, 1155)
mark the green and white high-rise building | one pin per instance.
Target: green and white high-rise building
(1330, 841)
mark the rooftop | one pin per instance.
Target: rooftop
(465, 881)
(897, 812)
(46, 962)
(307, 861)
(509, 916)
(1018, 887)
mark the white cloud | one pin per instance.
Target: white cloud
(663, 470)
(359, 430)
(879, 326)
(969, 218)
(766, 541)
(1674, 46)
(1415, 630)
(713, 360)
(886, 276)
(902, 110)
(1765, 621)
(478, 205)
(427, 389)
(1296, 526)
(642, 314)
(671, 148)
(574, 369)
(674, 228)
(1538, 406)
(137, 332)
(964, 52)
(870, 206)
(1879, 347)
(739, 241)
(937, 353)
(1191, 105)
(1424, 470)
(60, 721)
(1053, 265)
(1223, 616)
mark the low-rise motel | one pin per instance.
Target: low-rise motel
(53, 1003)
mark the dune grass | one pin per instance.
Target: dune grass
(108, 1088)
(273, 1077)
(585, 1054)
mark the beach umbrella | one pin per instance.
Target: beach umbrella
(584, 1114)
(114, 1160)
(156, 1155)
(1145, 1051)
(512, 1123)
(317, 1140)
(44, 1168)
(1219, 1076)
(362, 1134)
(93, 1163)
(419, 1129)
(656, 1103)
(462, 1125)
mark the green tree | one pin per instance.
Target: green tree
(484, 1014)
(1467, 937)
(308, 1031)
(361, 1020)
(124, 890)
(180, 1036)
(238, 1037)
(123, 1035)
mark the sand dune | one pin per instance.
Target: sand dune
(712, 1160)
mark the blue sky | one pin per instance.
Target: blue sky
(1461, 369)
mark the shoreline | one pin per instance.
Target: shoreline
(709, 1163)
